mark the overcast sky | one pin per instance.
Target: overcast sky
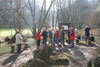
(41, 1)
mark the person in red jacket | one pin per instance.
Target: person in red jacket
(38, 38)
(72, 36)
(57, 34)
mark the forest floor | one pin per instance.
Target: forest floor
(79, 56)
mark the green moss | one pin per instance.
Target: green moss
(86, 43)
(60, 59)
(4, 48)
(43, 53)
(94, 62)
(34, 63)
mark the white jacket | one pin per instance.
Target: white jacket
(18, 38)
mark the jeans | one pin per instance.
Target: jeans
(44, 41)
(57, 40)
(72, 43)
(69, 41)
(38, 43)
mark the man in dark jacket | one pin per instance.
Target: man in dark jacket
(44, 35)
(87, 33)
(62, 34)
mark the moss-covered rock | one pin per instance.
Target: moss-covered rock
(60, 59)
(97, 62)
(36, 53)
(94, 62)
(89, 64)
(43, 53)
(34, 63)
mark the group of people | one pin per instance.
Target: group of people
(55, 36)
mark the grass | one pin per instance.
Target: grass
(10, 31)
(4, 48)
(97, 38)
(82, 42)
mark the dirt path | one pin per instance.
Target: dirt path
(79, 56)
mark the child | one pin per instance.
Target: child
(92, 38)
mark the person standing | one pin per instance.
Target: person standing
(62, 34)
(50, 36)
(19, 41)
(92, 38)
(87, 33)
(53, 36)
(72, 36)
(38, 38)
(57, 34)
(44, 35)
(68, 34)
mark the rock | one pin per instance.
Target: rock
(94, 62)
(34, 63)
(43, 53)
(60, 59)
(97, 62)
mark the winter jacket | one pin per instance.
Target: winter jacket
(50, 34)
(38, 36)
(57, 34)
(62, 34)
(72, 35)
(45, 34)
(18, 38)
(87, 31)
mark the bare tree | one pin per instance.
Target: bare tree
(45, 16)
(95, 19)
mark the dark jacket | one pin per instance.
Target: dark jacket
(92, 38)
(87, 33)
(62, 34)
(45, 34)
(68, 33)
(50, 34)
